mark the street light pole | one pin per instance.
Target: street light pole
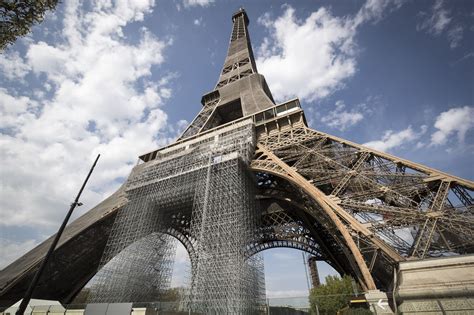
(34, 282)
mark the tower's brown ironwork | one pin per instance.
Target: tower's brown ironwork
(313, 271)
(280, 182)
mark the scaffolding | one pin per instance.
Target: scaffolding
(140, 272)
(202, 193)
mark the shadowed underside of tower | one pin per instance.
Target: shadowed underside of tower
(247, 175)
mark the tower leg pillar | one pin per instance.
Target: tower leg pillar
(224, 220)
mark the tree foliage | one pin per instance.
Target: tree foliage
(331, 296)
(172, 295)
(18, 16)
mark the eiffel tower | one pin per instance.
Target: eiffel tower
(245, 176)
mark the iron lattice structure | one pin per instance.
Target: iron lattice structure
(245, 176)
(378, 209)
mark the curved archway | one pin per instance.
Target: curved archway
(285, 229)
(140, 272)
(285, 224)
(267, 162)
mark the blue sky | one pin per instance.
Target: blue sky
(123, 78)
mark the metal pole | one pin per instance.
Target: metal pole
(34, 282)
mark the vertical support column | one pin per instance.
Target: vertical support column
(313, 270)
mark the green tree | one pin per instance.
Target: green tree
(172, 295)
(18, 16)
(331, 296)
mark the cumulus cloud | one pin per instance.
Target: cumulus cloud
(12, 249)
(391, 140)
(454, 122)
(439, 20)
(12, 65)
(301, 57)
(15, 110)
(312, 58)
(100, 99)
(340, 118)
(197, 3)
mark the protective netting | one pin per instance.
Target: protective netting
(201, 192)
(139, 272)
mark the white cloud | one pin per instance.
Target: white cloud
(181, 268)
(182, 255)
(11, 250)
(300, 58)
(12, 65)
(420, 145)
(198, 22)
(455, 36)
(312, 58)
(100, 100)
(341, 119)
(11, 105)
(391, 139)
(438, 20)
(374, 10)
(197, 3)
(456, 121)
